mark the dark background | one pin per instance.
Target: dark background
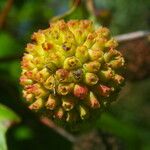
(128, 118)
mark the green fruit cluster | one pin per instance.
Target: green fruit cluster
(71, 70)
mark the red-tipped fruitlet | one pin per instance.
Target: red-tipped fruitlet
(70, 70)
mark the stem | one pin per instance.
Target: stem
(59, 130)
(74, 7)
(5, 12)
(92, 9)
(132, 36)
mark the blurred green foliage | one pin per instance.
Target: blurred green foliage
(128, 119)
(127, 15)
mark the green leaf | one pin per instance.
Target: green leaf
(3, 145)
(7, 114)
(7, 117)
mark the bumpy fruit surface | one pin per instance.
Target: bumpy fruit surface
(71, 71)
